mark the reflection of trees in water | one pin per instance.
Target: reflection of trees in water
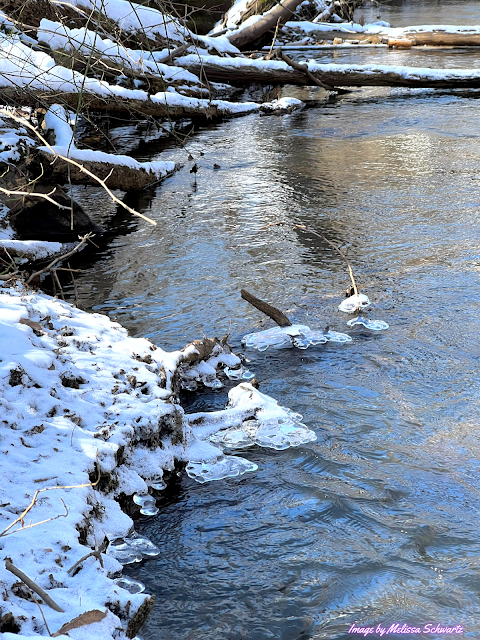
(333, 169)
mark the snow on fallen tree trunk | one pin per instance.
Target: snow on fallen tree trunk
(434, 35)
(119, 172)
(256, 26)
(247, 70)
(80, 49)
(30, 77)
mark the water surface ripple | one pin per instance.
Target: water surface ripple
(377, 521)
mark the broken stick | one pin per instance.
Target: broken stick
(9, 566)
(275, 314)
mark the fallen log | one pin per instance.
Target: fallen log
(272, 312)
(249, 71)
(440, 35)
(116, 175)
(269, 20)
(168, 105)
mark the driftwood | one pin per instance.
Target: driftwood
(247, 71)
(253, 32)
(442, 38)
(275, 314)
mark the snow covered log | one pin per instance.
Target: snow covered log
(433, 35)
(247, 70)
(117, 171)
(165, 104)
(255, 29)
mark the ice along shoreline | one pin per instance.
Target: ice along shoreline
(90, 418)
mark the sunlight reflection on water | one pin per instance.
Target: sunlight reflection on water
(376, 521)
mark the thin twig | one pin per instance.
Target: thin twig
(31, 525)
(35, 194)
(20, 518)
(303, 227)
(270, 54)
(53, 273)
(83, 240)
(75, 290)
(41, 611)
(96, 554)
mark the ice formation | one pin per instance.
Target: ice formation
(157, 483)
(251, 418)
(374, 325)
(132, 548)
(297, 335)
(147, 504)
(353, 303)
(240, 373)
(279, 433)
(132, 586)
(219, 468)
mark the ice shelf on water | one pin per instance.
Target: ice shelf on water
(296, 335)
(251, 418)
(132, 586)
(132, 548)
(240, 373)
(277, 433)
(353, 303)
(219, 468)
(374, 325)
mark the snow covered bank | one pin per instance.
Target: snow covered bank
(89, 416)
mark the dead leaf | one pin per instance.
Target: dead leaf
(38, 330)
(89, 617)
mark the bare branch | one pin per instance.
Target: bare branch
(79, 166)
(35, 194)
(303, 227)
(83, 240)
(34, 500)
(96, 554)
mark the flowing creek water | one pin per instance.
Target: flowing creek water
(377, 521)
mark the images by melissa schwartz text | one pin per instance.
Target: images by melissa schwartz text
(396, 628)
